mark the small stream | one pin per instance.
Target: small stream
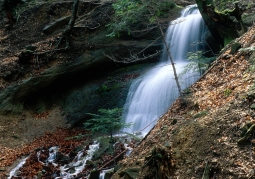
(65, 167)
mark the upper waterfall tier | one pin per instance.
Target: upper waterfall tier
(152, 94)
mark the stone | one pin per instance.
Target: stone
(253, 106)
(90, 163)
(167, 144)
(94, 174)
(108, 174)
(31, 48)
(251, 172)
(130, 173)
(235, 47)
(56, 25)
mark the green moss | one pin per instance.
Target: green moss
(227, 40)
(103, 89)
(227, 92)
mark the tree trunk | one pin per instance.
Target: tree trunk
(153, 12)
(171, 60)
(67, 32)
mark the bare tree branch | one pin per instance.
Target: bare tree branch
(132, 58)
(67, 32)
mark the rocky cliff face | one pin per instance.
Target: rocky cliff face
(34, 75)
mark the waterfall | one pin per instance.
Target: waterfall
(152, 94)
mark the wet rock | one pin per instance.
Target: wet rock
(108, 175)
(94, 174)
(54, 175)
(90, 163)
(62, 158)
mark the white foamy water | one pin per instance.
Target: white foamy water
(78, 164)
(14, 171)
(152, 94)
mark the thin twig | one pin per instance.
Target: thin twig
(112, 160)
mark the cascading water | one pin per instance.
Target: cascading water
(152, 94)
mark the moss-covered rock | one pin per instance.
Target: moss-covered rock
(130, 173)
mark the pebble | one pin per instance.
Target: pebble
(251, 172)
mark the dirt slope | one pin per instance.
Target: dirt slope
(212, 136)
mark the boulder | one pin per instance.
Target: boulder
(130, 173)
(94, 174)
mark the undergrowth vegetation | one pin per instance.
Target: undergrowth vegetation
(106, 121)
(131, 12)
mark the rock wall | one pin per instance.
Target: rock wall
(81, 79)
